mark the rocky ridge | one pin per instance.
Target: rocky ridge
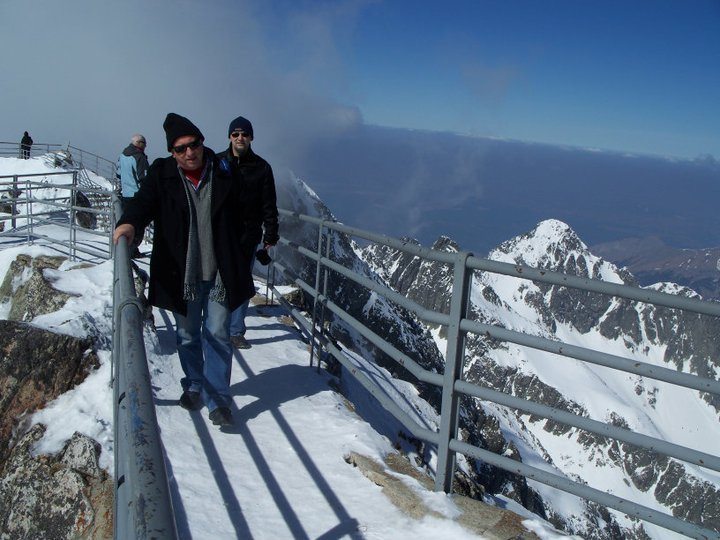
(64, 495)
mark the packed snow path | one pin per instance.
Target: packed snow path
(280, 471)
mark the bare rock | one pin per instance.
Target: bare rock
(489, 521)
(28, 290)
(36, 366)
(62, 496)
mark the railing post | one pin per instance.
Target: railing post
(73, 200)
(28, 211)
(454, 359)
(317, 288)
(14, 195)
(328, 245)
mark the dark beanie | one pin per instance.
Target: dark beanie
(177, 126)
(242, 124)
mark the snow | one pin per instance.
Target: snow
(280, 471)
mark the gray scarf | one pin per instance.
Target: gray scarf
(192, 260)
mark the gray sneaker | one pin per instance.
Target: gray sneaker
(239, 342)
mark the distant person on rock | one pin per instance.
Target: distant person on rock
(132, 166)
(259, 211)
(25, 145)
(198, 269)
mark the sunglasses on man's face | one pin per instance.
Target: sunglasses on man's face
(180, 148)
(236, 134)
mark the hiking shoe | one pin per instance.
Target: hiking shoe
(221, 417)
(191, 400)
(239, 342)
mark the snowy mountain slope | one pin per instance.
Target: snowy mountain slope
(655, 335)
(395, 324)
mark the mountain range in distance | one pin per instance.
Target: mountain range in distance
(655, 215)
(651, 260)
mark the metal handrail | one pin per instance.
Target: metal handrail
(453, 385)
(143, 506)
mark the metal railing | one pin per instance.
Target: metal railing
(451, 382)
(29, 202)
(143, 506)
(65, 154)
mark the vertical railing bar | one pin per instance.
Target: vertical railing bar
(317, 288)
(28, 210)
(14, 196)
(454, 359)
(73, 231)
(268, 290)
(328, 249)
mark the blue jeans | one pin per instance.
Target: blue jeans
(237, 319)
(203, 345)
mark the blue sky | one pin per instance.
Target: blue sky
(632, 75)
(635, 75)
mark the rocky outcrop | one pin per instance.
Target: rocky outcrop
(65, 495)
(28, 290)
(61, 496)
(491, 522)
(36, 366)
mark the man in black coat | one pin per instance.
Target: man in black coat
(198, 269)
(25, 145)
(259, 210)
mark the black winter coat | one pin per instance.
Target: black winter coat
(259, 208)
(162, 199)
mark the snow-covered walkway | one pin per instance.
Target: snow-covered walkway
(280, 471)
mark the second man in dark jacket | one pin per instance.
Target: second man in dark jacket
(259, 211)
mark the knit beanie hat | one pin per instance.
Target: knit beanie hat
(177, 126)
(241, 124)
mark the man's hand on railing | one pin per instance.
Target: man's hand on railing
(126, 230)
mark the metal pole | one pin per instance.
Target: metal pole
(454, 357)
(28, 211)
(14, 195)
(328, 243)
(143, 504)
(73, 230)
(317, 288)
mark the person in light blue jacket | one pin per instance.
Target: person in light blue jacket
(132, 166)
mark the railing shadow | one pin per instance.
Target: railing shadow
(272, 388)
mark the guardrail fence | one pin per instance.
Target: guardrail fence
(64, 154)
(452, 383)
(31, 202)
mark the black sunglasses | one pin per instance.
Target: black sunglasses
(236, 134)
(180, 148)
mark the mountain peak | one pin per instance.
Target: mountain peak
(445, 243)
(548, 244)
